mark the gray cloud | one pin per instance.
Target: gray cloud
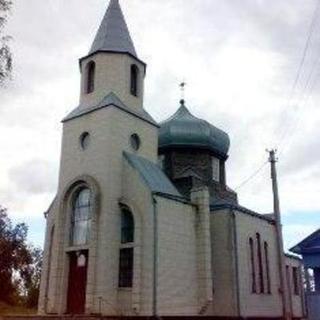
(34, 177)
(239, 59)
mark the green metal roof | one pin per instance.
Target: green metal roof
(110, 100)
(152, 175)
(183, 130)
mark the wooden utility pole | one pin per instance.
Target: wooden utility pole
(277, 215)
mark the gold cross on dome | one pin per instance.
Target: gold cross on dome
(183, 88)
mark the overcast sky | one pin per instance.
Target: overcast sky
(239, 58)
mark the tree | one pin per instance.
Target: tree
(31, 277)
(5, 52)
(20, 264)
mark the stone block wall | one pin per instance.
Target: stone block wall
(112, 74)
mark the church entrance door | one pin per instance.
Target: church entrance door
(77, 283)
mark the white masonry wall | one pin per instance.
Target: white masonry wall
(112, 74)
(253, 305)
(223, 264)
(177, 285)
(296, 301)
(137, 196)
(110, 130)
(177, 262)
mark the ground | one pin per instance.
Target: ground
(6, 309)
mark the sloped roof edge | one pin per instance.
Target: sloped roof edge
(110, 100)
(297, 248)
(152, 175)
(230, 206)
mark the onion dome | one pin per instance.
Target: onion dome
(183, 130)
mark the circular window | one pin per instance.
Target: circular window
(85, 140)
(135, 142)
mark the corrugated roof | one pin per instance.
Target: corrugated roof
(152, 175)
(113, 33)
(110, 100)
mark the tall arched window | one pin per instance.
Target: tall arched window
(91, 68)
(127, 226)
(134, 79)
(81, 217)
(253, 267)
(266, 256)
(260, 266)
(126, 249)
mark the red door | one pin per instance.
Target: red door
(77, 282)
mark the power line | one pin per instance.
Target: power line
(251, 176)
(293, 89)
(301, 64)
(298, 119)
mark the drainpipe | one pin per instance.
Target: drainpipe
(235, 244)
(155, 260)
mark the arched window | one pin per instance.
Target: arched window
(266, 256)
(126, 255)
(134, 80)
(253, 267)
(260, 266)
(91, 68)
(81, 217)
(127, 226)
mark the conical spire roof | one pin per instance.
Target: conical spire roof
(113, 34)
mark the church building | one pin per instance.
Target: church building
(143, 222)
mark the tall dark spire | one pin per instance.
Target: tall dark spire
(113, 34)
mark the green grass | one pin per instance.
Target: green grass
(6, 310)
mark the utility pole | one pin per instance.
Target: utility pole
(277, 215)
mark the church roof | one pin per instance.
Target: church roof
(237, 207)
(113, 33)
(184, 130)
(110, 100)
(152, 175)
(310, 244)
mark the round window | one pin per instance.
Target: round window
(85, 140)
(135, 142)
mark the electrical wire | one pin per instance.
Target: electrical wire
(251, 176)
(303, 97)
(301, 64)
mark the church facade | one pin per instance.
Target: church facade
(143, 222)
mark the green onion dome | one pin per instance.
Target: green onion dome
(183, 130)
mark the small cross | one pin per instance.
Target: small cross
(183, 86)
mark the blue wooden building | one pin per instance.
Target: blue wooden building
(309, 249)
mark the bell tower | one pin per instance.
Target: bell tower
(112, 64)
(81, 266)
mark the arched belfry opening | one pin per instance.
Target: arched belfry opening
(90, 79)
(134, 80)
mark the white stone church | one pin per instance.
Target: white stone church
(143, 223)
